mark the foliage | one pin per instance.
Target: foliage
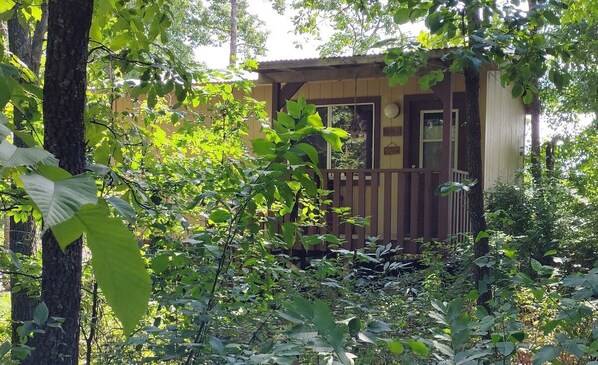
(208, 23)
(356, 30)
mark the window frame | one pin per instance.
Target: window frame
(455, 135)
(373, 150)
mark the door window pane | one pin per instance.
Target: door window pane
(432, 152)
(431, 134)
(432, 128)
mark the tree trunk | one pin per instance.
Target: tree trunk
(21, 235)
(65, 84)
(233, 32)
(535, 110)
(476, 194)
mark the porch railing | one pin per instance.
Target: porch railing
(458, 207)
(401, 205)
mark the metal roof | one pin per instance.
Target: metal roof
(328, 68)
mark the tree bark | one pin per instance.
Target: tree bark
(65, 84)
(535, 111)
(21, 235)
(233, 32)
(476, 194)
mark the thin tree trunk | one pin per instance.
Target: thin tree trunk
(481, 275)
(476, 194)
(21, 235)
(233, 32)
(535, 111)
(65, 84)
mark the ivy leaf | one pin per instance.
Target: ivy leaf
(13, 156)
(58, 201)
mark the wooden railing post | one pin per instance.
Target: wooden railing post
(445, 94)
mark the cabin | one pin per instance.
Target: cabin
(401, 145)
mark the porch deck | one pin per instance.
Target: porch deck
(402, 206)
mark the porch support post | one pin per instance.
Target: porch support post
(444, 92)
(275, 99)
(280, 95)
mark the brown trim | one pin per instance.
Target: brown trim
(321, 74)
(376, 128)
(287, 92)
(411, 102)
(275, 99)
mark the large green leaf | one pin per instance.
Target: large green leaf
(116, 261)
(58, 201)
(13, 156)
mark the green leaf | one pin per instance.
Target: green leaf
(40, 314)
(309, 150)
(4, 349)
(122, 207)
(58, 201)
(527, 97)
(505, 348)
(396, 347)
(536, 265)
(333, 140)
(401, 16)
(285, 120)
(294, 109)
(419, 348)
(263, 147)
(517, 90)
(288, 233)
(546, 354)
(315, 121)
(117, 264)
(220, 215)
(354, 326)
(481, 235)
(13, 156)
(160, 263)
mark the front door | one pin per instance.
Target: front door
(423, 132)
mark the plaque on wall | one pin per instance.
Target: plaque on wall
(392, 149)
(392, 131)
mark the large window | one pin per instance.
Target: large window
(357, 120)
(430, 151)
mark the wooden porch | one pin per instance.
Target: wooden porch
(402, 206)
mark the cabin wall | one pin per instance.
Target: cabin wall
(504, 132)
(338, 89)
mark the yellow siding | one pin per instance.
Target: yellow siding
(504, 132)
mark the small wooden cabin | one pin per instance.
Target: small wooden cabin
(399, 150)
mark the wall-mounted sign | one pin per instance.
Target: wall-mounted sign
(392, 149)
(392, 131)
